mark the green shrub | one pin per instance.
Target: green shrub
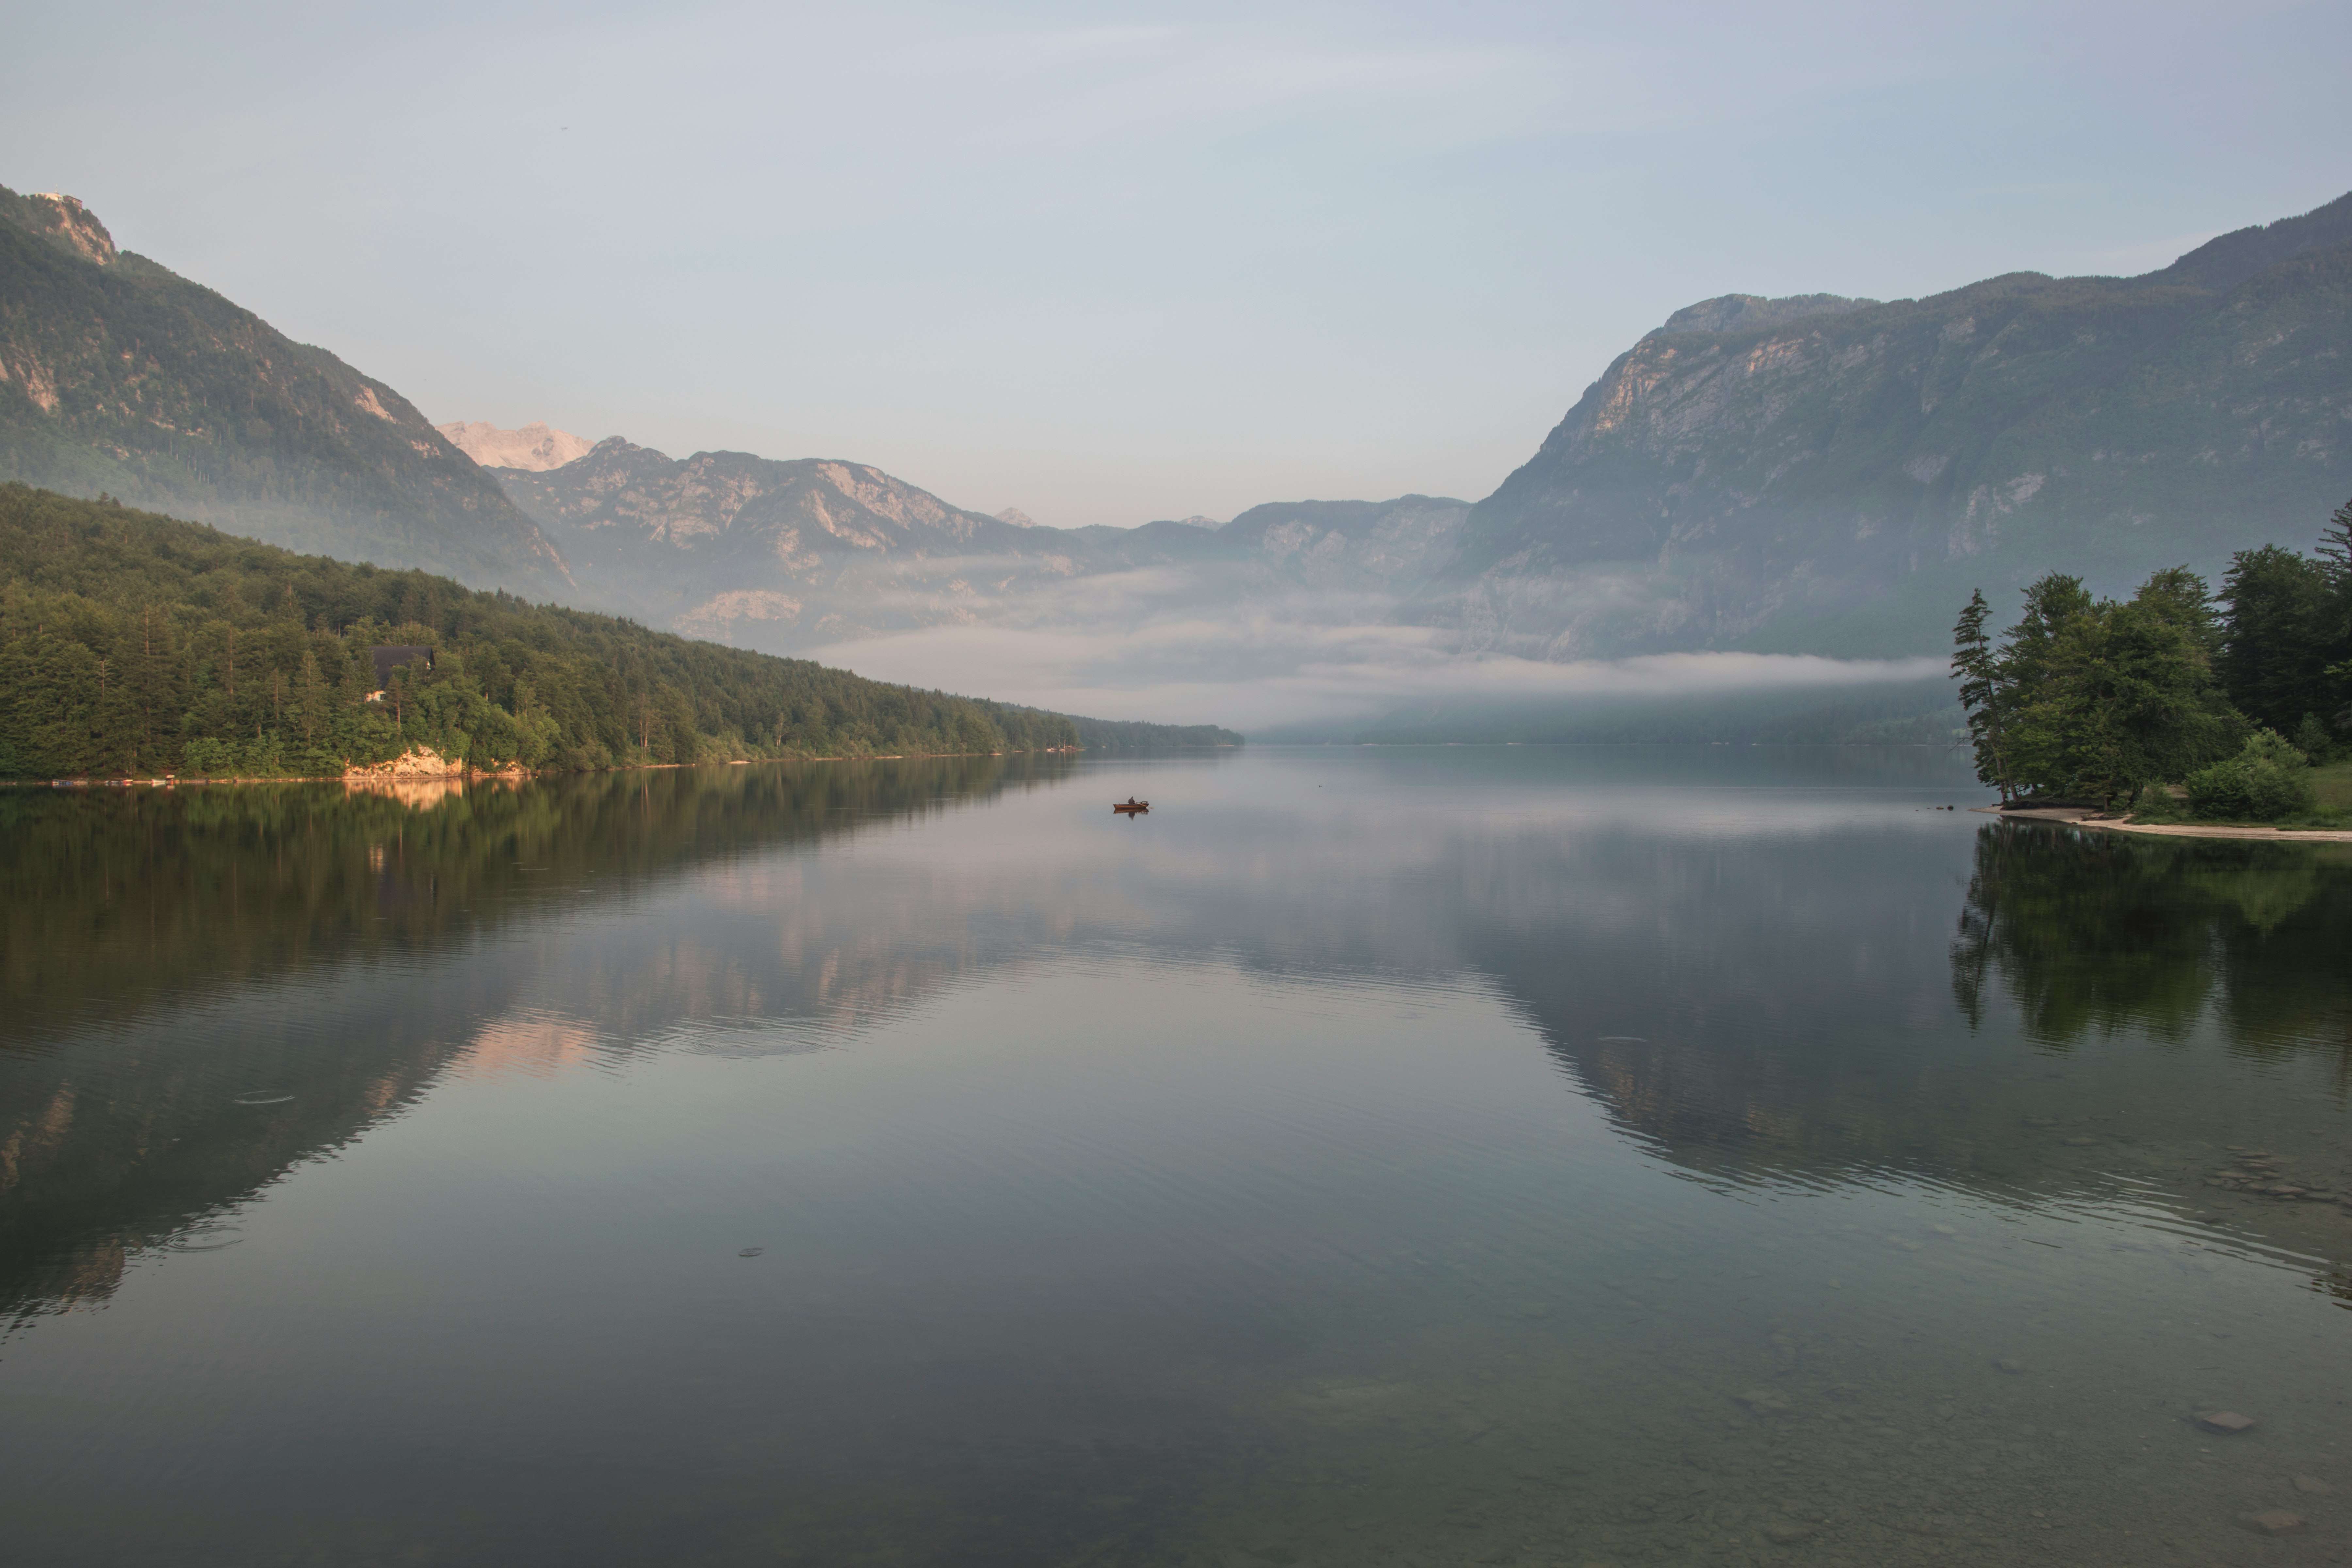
(2264, 783)
(2220, 790)
(208, 758)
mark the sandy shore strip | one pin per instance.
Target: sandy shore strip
(2085, 817)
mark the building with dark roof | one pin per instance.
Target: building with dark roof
(388, 659)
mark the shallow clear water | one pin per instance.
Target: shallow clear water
(1537, 1155)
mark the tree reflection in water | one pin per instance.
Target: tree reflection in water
(203, 987)
(2097, 935)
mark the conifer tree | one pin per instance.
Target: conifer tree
(2277, 636)
(310, 697)
(1975, 667)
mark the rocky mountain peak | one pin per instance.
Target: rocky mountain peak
(534, 449)
(1739, 312)
(1016, 517)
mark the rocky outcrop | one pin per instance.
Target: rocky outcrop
(1833, 476)
(64, 221)
(417, 763)
(534, 449)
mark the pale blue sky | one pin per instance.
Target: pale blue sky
(1113, 262)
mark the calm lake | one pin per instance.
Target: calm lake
(1389, 1156)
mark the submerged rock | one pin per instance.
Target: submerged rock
(2223, 1421)
(2272, 1521)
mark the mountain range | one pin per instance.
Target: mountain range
(1820, 475)
(1811, 474)
(791, 554)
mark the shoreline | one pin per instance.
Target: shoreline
(364, 776)
(2085, 817)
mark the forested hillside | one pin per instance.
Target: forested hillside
(1124, 735)
(118, 375)
(134, 644)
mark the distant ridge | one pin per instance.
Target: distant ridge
(1735, 312)
(535, 447)
(792, 554)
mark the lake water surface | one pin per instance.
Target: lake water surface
(1387, 1156)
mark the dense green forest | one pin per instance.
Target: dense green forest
(2230, 695)
(140, 645)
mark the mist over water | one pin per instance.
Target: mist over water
(1313, 666)
(1531, 1154)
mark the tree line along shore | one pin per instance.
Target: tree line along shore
(2180, 703)
(140, 646)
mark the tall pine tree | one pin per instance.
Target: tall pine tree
(1976, 666)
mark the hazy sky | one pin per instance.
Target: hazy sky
(1113, 262)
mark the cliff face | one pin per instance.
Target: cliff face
(788, 555)
(1833, 476)
(117, 374)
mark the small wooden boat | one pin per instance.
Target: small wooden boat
(1131, 805)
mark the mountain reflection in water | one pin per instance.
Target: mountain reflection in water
(194, 946)
(1459, 1154)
